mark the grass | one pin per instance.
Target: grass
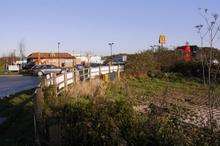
(18, 128)
(146, 89)
(102, 98)
(110, 112)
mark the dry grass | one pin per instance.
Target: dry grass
(91, 88)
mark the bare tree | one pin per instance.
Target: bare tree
(213, 28)
(21, 47)
(202, 35)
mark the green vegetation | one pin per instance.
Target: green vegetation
(127, 114)
(1, 68)
(162, 61)
(18, 129)
(148, 106)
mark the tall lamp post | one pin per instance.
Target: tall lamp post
(111, 44)
(58, 55)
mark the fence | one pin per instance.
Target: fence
(61, 82)
(67, 78)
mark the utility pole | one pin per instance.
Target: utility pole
(58, 55)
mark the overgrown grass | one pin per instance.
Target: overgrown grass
(115, 115)
(18, 129)
(143, 89)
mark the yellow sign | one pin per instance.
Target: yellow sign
(162, 39)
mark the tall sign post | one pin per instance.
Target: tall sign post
(162, 40)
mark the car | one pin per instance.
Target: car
(41, 70)
(28, 66)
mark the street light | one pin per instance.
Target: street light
(58, 55)
(111, 44)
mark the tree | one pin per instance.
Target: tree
(21, 47)
(213, 28)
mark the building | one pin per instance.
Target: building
(116, 59)
(96, 60)
(57, 59)
(87, 59)
(187, 52)
(120, 58)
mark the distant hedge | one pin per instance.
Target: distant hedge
(146, 62)
(141, 63)
(195, 69)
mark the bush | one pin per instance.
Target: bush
(140, 64)
(107, 121)
(150, 63)
(194, 69)
(189, 69)
(165, 58)
(102, 122)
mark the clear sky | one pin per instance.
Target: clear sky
(88, 25)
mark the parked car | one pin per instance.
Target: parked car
(28, 66)
(79, 67)
(41, 70)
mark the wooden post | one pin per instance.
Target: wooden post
(83, 74)
(76, 76)
(38, 109)
(51, 79)
(109, 68)
(100, 71)
(118, 72)
(55, 82)
(43, 81)
(65, 81)
(90, 73)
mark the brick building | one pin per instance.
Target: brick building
(57, 59)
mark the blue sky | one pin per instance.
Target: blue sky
(88, 25)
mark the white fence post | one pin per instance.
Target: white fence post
(109, 68)
(90, 73)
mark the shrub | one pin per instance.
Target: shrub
(140, 64)
(150, 63)
(189, 69)
(102, 122)
(165, 58)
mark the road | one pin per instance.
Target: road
(10, 85)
